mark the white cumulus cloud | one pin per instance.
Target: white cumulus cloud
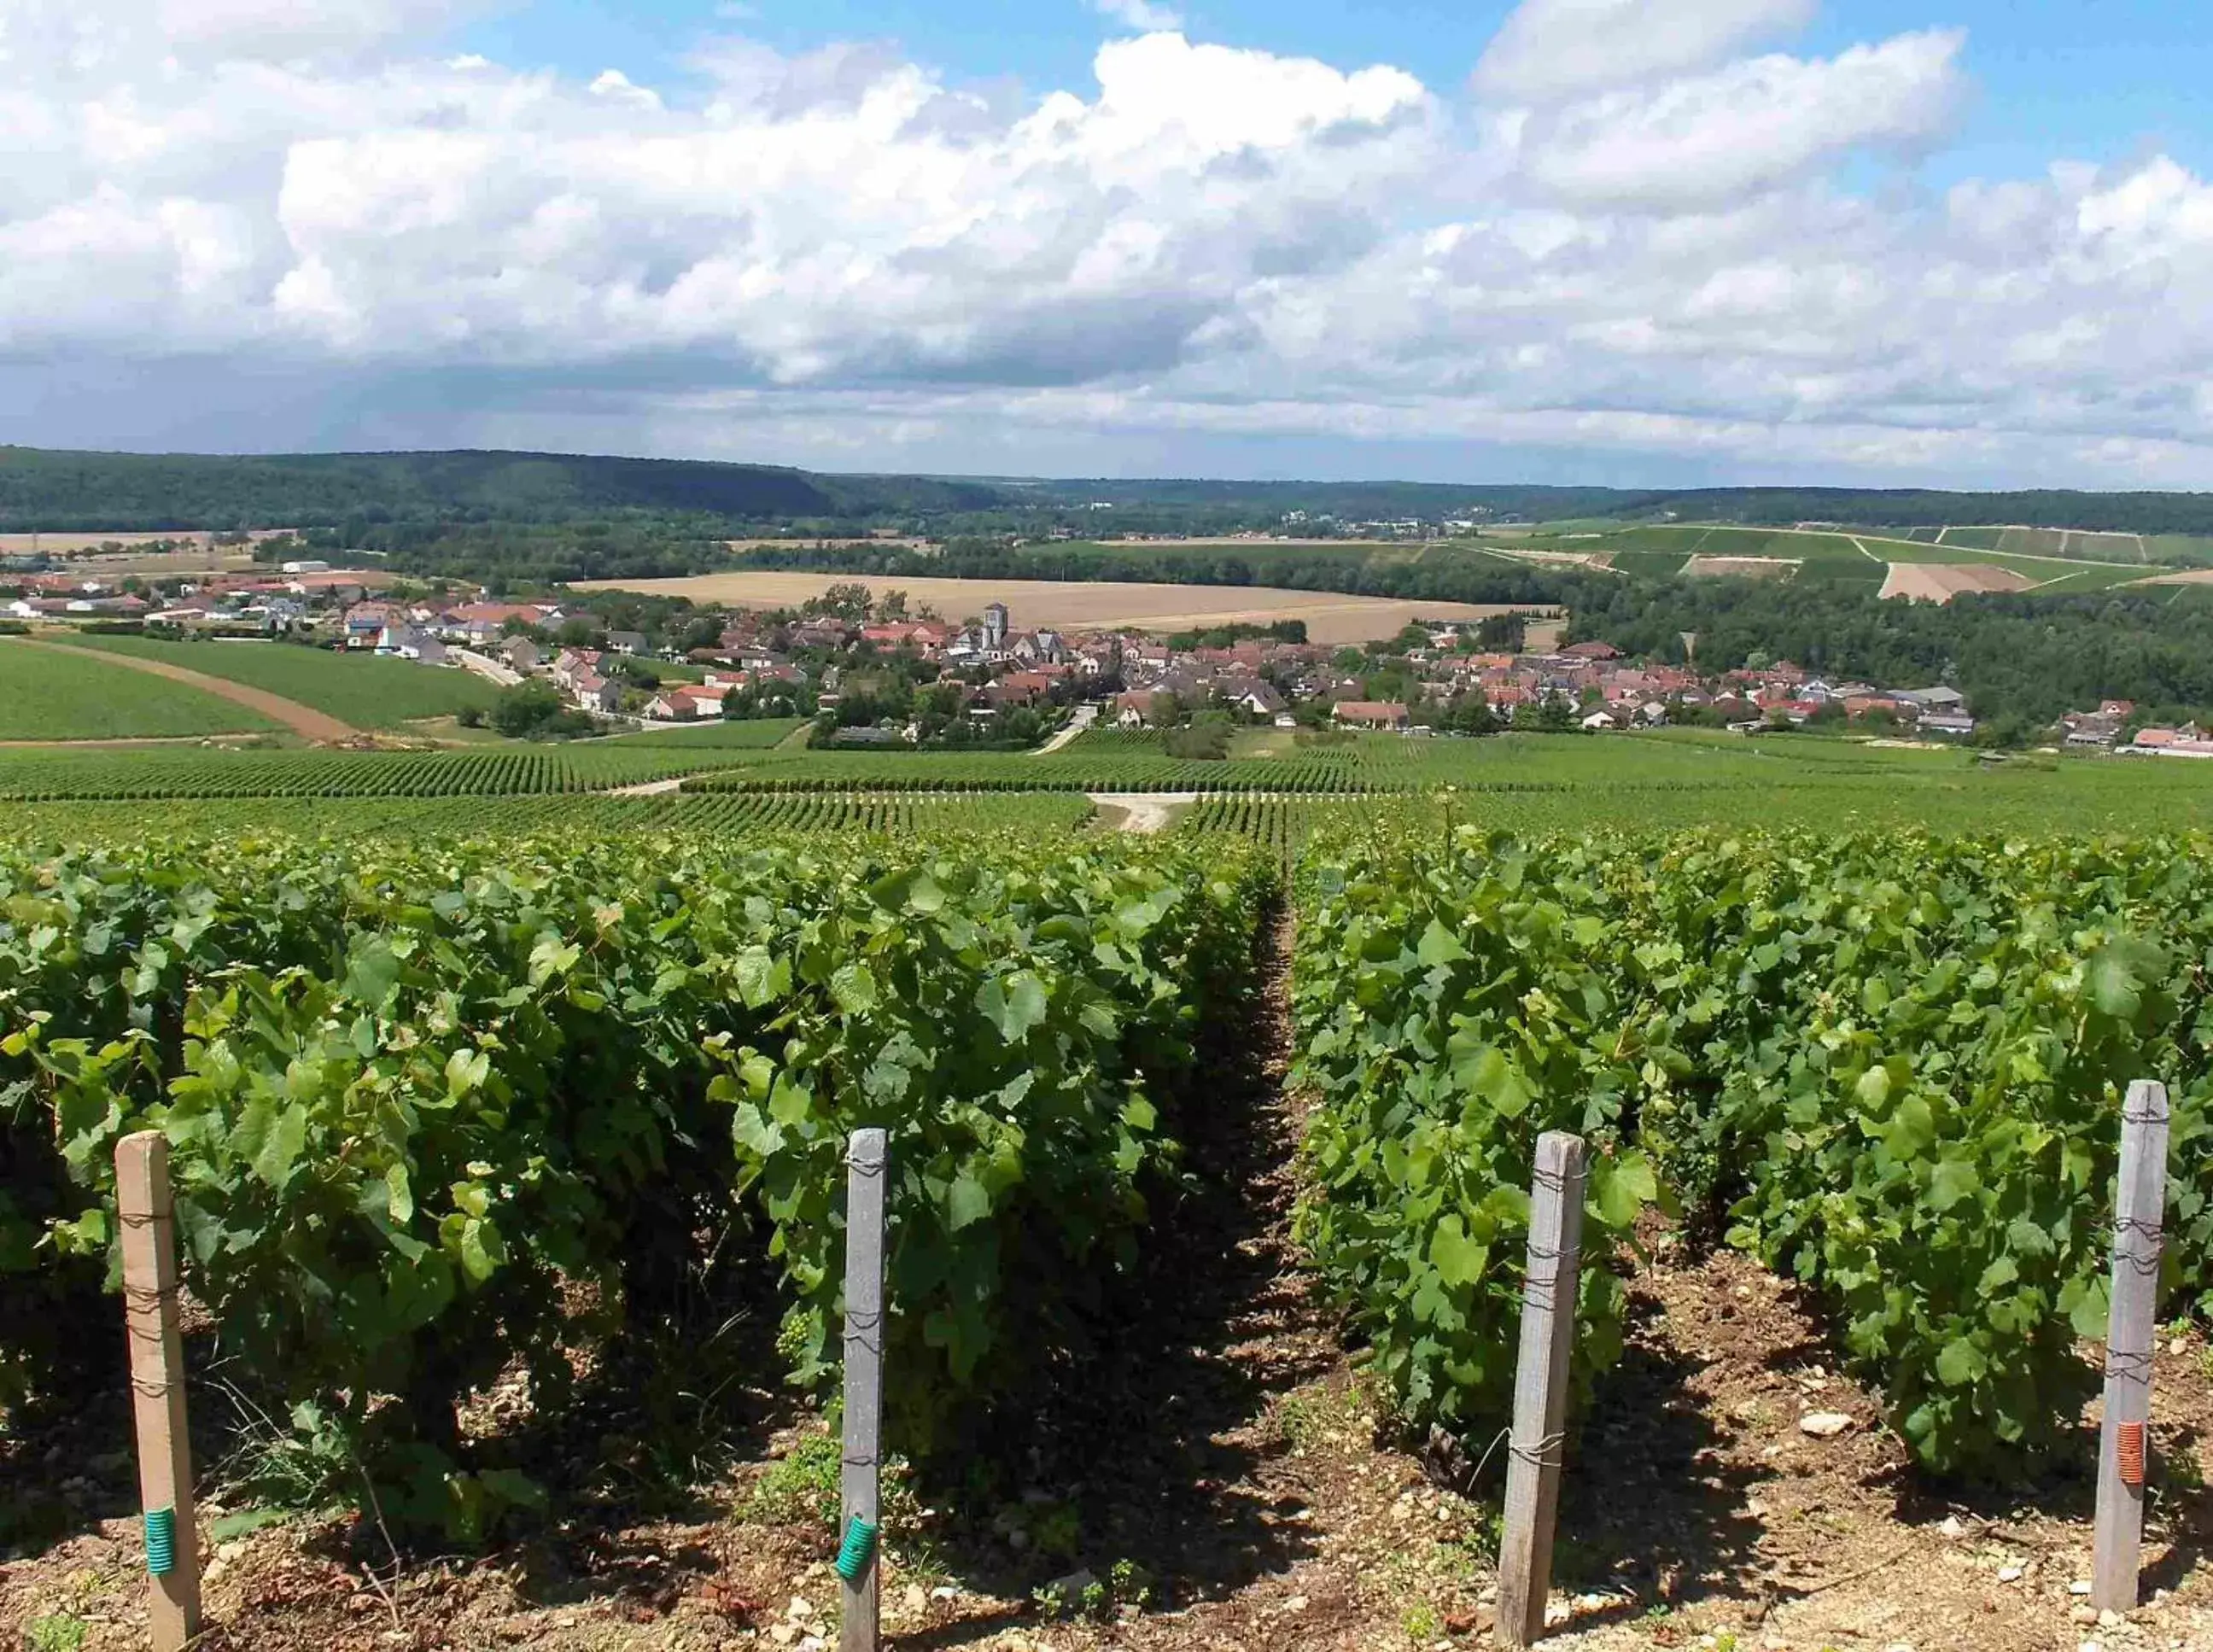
(1550, 49)
(1633, 242)
(1142, 15)
(1748, 125)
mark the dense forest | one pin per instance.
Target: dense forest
(351, 495)
(44, 490)
(510, 556)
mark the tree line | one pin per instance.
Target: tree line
(55, 489)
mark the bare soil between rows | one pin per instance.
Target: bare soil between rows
(1223, 1442)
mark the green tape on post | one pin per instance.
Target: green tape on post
(161, 1541)
(854, 1553)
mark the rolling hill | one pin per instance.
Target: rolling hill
(44, 490)
(53, 490)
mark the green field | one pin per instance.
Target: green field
(46, 694)
(1972, 538)
(1650, 564)
(740, 735)
(361, 689)
(2179, 549)
(1840, 570)
(1656, 550)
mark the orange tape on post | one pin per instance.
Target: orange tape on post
(2130, 1443)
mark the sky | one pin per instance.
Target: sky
(1962, 243)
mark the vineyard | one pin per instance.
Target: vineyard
(753, 733)
(37, 775)
(418, 1103)
(1889, 1066)
(1525, 784)
(500, 1107)
(718, 814)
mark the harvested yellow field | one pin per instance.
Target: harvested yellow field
(1032, 604)
(1931, 582)
(2189, 576)
(1737, 568)
(1566, 558)
(134, 540)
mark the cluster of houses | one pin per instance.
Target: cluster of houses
(2106, 729)
(1138, 680)
(758, 655)
(243, 604)
(1017, 668)
(1601, 689)
(1797, 696)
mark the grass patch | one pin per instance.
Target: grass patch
(1650, 564)
(748, 735)
(361, 689)
(46, 694)
(801, 1488)
(58, 1631)
(1262, 742)
(1972, 539)
(1833, 572)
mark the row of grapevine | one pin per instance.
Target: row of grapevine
(496, 771)
(1894, 1062)
(78, 823)
(418, 1097)
(1282, 824)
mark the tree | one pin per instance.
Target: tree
(532, 710)
(1501, 631)
(842, 602)
(1554, 716)
(1470, 714)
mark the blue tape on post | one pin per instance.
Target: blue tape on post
(161, 1541)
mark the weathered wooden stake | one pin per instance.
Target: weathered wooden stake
(867, 1166)
(2139, 1204)
(157, 1380)
(1540, 1388)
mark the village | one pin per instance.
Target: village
(875, 675)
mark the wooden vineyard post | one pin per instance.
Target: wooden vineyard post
(1540, 1388)
(868, 1167)
(157, 1387)
(2139, 1206)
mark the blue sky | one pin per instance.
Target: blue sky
(1914, 243)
